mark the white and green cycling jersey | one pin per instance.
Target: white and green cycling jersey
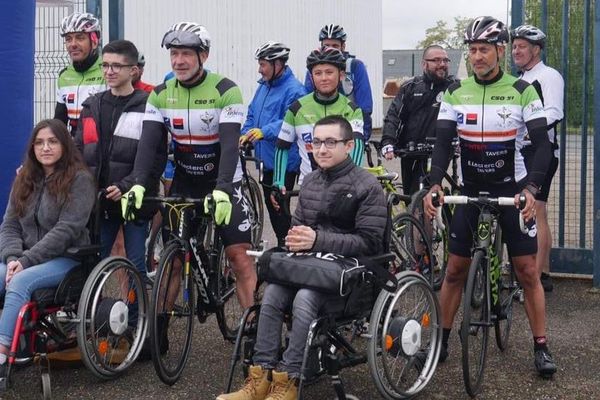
(298, 124)
(491, 120)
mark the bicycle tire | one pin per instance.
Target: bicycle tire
(438, 236)
(412, 246)
(229, 311)
(257, 218)
(109, 334)
(474, 329)
(507, 287)
(169, 322)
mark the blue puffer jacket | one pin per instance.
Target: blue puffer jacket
(266, 111)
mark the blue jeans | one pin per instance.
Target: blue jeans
(134, 234)
(22, 285)
(277, 301)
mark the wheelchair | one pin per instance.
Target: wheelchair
(100, 307)
(401, 325)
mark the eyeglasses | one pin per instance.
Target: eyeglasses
(438, 60)
(114, 67)
(329, 143)
(41, 143)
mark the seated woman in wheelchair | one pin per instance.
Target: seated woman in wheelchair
(49, 206)
(341, 210)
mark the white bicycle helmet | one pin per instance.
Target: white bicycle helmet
(332, 31)
(487, 30)
(530, 33)
(187, 34)
(79, 22)
(272, 50)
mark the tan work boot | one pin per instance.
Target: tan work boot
(282, 387)
(256, 386)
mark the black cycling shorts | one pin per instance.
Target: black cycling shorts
(238, 230)
(464, 226)
(545, 189)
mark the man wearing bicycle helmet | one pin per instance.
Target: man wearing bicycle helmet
(138, 73)
(203, 112)
(83, 77)
(413, 114)
(527, 45)
(277, 89)
(491, 112)
(355, 84)
(326, 66)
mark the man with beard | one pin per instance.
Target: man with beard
(413, 113)
(83, 77)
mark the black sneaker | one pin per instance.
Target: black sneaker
(443, 354)
(546, 282)
(544, 364)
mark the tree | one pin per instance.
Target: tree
(450, 38)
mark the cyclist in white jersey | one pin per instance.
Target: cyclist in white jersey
(527, 44)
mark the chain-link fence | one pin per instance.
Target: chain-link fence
(568, 25)
(50, 54)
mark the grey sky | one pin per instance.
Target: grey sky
(405, 22)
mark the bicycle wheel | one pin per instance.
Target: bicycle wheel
(507, 286)
(474, 328)
(257, 213)
(154, 248)
(112, 317)
(405, 338)
(412, 248)
(172, 314)
(437, 234)
(229, 310)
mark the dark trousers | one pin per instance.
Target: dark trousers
(280, 220)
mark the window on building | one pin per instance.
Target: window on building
(392, 61)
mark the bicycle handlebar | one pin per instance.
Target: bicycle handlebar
(174, 199)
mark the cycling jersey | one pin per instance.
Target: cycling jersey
(491, 119)
(298, 126)
(552, 86)
(204, 121)
(73, 88)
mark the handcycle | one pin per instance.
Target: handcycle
(489, 291)
(401, 324)
(99, 307)
(193, 278)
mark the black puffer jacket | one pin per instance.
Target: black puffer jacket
(346, 207)
(117, 166)
(413, 113)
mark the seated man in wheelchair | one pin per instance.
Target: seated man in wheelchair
(49, 206)
(341, 210)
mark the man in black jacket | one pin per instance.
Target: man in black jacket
(341, 210)
(413, 113)
(107, 135)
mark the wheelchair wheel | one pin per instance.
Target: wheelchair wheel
(475, 327)
(154, 248)
(172, 314)
(229, 310)
(254, 195)
(46, 386)
(112, 317)
(405, 332)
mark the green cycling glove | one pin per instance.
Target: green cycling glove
(136, 195)
(222, 207)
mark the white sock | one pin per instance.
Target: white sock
(2, 358)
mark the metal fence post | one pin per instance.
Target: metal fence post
(596, 144)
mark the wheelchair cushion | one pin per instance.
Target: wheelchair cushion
(68, 289)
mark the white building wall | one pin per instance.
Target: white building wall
(238, 27)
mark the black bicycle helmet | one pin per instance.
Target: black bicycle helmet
(326, 55)
(530, 33)
(141, 60)
(272, 50)
(487, 30)
(332, 31)
(187, 34)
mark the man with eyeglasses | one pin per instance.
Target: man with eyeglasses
(413, 114)
(107, 135)
(83, 77)
(326, 66)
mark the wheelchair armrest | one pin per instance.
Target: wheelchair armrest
(83, 251)
(382, 258)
